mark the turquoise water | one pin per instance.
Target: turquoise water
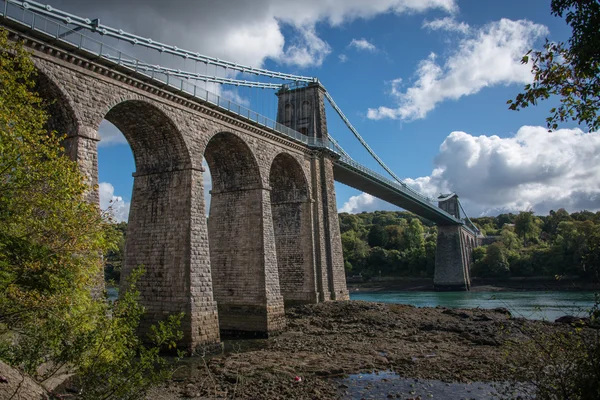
(530, 305)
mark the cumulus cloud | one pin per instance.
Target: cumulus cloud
(362, 44)
(118, 208)
(308, 50)
(534, 170)
(448, 24)
(488, 56)
(243, 31)
(110, 135)
(365, 202)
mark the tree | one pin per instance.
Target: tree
(496, 261)
(526, 226)
(395, 234)
(51, 240)
(554, 218)
(570, 71)
(356, 251)
(378, 236)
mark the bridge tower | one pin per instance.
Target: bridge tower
(454, 250)
(302, 108)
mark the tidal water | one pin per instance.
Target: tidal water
(531, 304)
(387, 384)
(547, 305)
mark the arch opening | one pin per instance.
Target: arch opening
(236, 236)
(159, 215)
(155, 141)
(290, 205)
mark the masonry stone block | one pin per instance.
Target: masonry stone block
(452, 259)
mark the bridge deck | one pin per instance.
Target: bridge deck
(354, 175)
(346, 170)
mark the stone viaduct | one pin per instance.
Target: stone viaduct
(273, 235)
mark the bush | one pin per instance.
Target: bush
(561, 365)
(51, 241)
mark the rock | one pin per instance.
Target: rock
(569, 319)
(17, 385)
(460, 314)
(502, 310)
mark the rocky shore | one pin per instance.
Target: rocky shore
(541, 283)
(328, 341)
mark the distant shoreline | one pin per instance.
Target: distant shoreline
(478, 285)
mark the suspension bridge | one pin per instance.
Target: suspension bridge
(177, 107)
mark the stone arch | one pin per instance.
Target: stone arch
(291, 209)
(156, 142)
(62, 116)
(242, 250)
(160, 217)
(232, 163)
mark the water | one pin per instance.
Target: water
(530, 305)
(387, 384)
(112, 293)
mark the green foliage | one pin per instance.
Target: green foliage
(113, 362)
(559, 365)
(113, 258)
(527, 226)
(557, 244)
(51, 240)
(393, 243)
(570, 71)
(494, 263)
(378, 236)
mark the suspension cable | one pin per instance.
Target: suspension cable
(119, 34)
(466, 216)
(368, 148)
(138, 65)
(96, 26)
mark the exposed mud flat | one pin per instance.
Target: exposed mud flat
(324, 343)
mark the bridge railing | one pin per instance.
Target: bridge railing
(14, 11)
(404, 189)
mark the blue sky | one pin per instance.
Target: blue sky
(424, 81)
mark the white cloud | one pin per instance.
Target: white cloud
(243, 31)
(447, 24)
(535, 169)
(365, 202)
(343, 58)
(308, 50)
(119, 208)
(231, 94)
(110, 135)
(207, 182)
(488, 57)
(362, 44)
